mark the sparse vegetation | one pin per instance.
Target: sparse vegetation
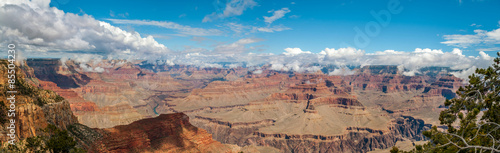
(52, 140)
(3, 113)
(218, 79)
(329, 83)
(40, 96)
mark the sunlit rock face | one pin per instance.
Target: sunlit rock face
(164, 133)
(34, 108)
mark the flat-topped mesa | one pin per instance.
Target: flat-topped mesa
(293, 97)
(189, 72)
(447, 93)
(336, 101)
(448, 81)
(311, 88)
(321, 137)
(380, 69)
(387, 83)
(124, 72)
(218, 88)
(444, 86)
(302, 92)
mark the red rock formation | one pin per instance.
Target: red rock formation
(165, 133)
(332, 100)
(35, 108)
(387, 83)
(449, 81)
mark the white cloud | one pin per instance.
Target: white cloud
(272, 28)
(488, 49)
(295, 59)
(238, 28)
(387, 52)
(464, 74)
(494, 35)
(485, 56)
(210, 65)
(342, 71)
(237, 47)
(476, 25)
(40, 29)
(350, 53)
(427, 50)
(231, 8)
(276, 15)
(295, 51)
(481, 37)
(408, 63)
(411, 73)
(244, 29)
(187, 30)
(86, 68)
(457, 51)
(295, 66)
(257, 72)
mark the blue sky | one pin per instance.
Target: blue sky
(310, 25)
(298, 36)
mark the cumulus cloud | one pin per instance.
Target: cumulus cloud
(278, 14)
(420, 58)
(409, 63)
(411, 72)
(342, 71)
(349, 52)
(294, 65)
(387, 52)
(231, 8)
(39, 29)
(187, 30)
(295, 51)
(464, 74)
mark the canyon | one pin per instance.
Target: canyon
(37, 109)
(288, 111)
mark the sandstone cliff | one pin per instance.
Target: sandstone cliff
(35, 108)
